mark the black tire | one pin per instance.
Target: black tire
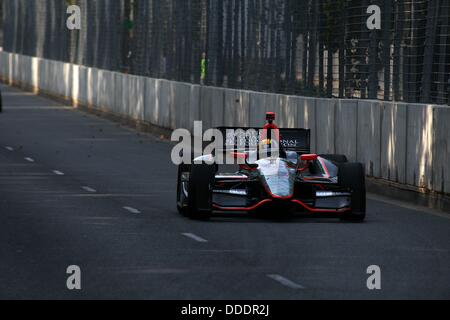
(337, 158)
(200, 194)
(181, 201)
(1, 102)
(352, 176)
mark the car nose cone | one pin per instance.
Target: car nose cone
(277, 177)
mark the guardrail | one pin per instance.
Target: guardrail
(403, 143)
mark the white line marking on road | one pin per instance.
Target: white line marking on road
(58, 173)
(285, 282)
(194, 237)
(89, 189)
(30, 160)
(132, 210)
(9, 149)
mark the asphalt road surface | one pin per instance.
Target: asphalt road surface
(79, 190)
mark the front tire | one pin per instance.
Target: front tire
(201, 181)
(183, 170)
(352, 176)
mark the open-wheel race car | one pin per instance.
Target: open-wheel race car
(282, 183)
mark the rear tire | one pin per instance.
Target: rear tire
(201, 182)
(337, 158)
(352, 176)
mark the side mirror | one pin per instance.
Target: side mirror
(292, 157)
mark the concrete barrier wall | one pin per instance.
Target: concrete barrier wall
(306, 116)
(369, 137)
(393, 141)
(419, 153)
(325, 126)
(404, 143)
(237, 108)
(441, 150)
(346, 128)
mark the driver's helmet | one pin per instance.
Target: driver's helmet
(268, 146)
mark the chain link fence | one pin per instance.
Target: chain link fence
(317, 48)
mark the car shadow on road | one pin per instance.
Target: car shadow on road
(297, 219)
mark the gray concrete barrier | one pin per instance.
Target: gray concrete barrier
(75, 84)
(25, 71)
(260, 103)
(257, 104)
(346, 128)
(325, 126)
(237, 108)
(369, 137)
(43, 71)
(441, 150)
(92, 87)
(393, 142)
(278, 103)
(306, 116)
(406, 144)
(180, 105)
(194, 106)
(151, 101)
(16, 69)
(136, 96)
(11, 66)
(163, 104)
(419, 147)
(82, 85)
(288, 114)
(3, 67)
(106, 90)
(35, 65)
(118, 89)
(212, 107)
(65, 85)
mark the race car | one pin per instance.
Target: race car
(282, 183)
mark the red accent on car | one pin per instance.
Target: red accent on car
(327, 173)
(263, 202)
(309, 157)
(239, 155)
(270, 127)
(246, 167)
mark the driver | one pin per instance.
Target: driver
(271, 146)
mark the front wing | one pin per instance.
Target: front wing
(241, 194)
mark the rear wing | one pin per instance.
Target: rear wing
(237, 139)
